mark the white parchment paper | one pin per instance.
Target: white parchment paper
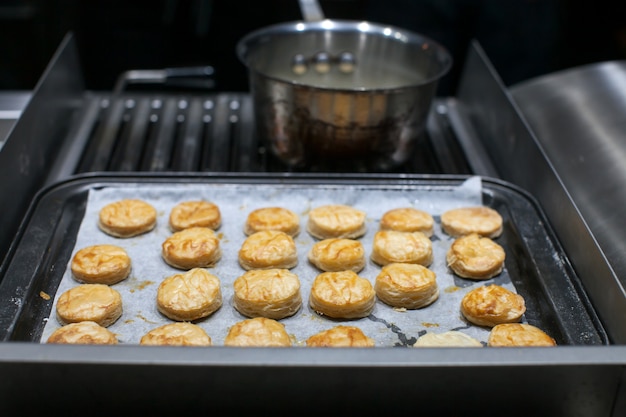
(388, 326)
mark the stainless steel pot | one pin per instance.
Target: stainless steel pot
(335, 90)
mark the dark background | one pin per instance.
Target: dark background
(523, 38)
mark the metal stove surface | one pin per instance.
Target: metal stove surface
(210, 132)
(65, 131)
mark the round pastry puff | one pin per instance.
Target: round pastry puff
(450, 338)
(332, 255)
(475, 257)
(83, 333)
(401, 247)
(270, 293)
(189, 296)
(268, 249)
(257, 332)
(272, 218)
(90, 302)
(101, 264)
(127, 218)
(462, 221)
(195, 214)
(409, 286)
(492, 305)
(195, 247)
(408, 219)
(340, 336)
(177, 334)
(518, 334)
(336, 221)
(342, 295)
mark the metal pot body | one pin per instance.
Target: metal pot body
(372, 113)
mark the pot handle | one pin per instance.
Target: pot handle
(311, 10)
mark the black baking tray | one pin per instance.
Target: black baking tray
(536, 264)
(582, 376)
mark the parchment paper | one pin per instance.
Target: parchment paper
(388, 326)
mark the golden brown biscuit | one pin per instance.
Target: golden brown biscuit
(331, 255)
(195, 247)
(195, 214)
(451, 338)
(101, 264)
(342, 295)
(90, 302)
(517, 334)
(340, 336)
(83, 333)
(189, 296)
(337, 221)
(408, 219)
(259, 331)
(401, 247)
(127, 218)
(272, 218)
(268, 249)
(476, 257)
(271, 293)
(462, 221)
(177, 334)
(492, 305)
(410, 286)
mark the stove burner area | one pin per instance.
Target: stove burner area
(214, 132)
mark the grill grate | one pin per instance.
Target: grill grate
(173, 133)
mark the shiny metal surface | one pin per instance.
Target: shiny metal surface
(586, 217)
(579, 118)
(311, 10)
(375, 112)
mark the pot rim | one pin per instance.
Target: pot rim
(245, 44)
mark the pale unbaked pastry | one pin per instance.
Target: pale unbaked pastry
(83, 333)
(340, 336)
(338, 254)
(195, 214)
(90, 302)
(259, 332)
(409, 286)
(189, 296)
(518, 334)
(195, 247)
(177, 334)
(342, 295)
(462, 221)
(272, 218)
(127, 218)
(408, 219)
(336, 220)
(450, 338)
(492, 305)
(476, 257)
(271, 293)
(402, 247)
(101, 264)
(268, 249)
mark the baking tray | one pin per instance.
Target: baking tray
(582, 376)
(535, 264)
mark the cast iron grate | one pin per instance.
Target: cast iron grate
(215, 132)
